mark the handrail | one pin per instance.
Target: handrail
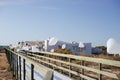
(45, 58)
(80, 66)
(82, 58)
(13, 60)
(90, 59)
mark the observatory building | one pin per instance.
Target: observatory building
(50, 45)
(53, 44)
(113, 46)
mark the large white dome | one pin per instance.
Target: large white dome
(113, 47)
(53, 41)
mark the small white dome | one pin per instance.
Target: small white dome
(63, 46)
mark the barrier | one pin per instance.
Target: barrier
(58, 65)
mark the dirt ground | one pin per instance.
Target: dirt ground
(5, 73)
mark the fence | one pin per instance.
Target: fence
(76, 67)
(18, 66)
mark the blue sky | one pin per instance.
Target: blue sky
(69, 20)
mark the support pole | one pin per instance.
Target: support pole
(20, 67)
(100, 68)
(32, 72)
(24, 71)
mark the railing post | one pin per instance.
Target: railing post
(49, 60)
(7, 55)
(69, 67)
(17, 66)
(10, 58)
(20, 67)
(100, 68)
(11, 62)
(82, 63)
(54, 63)
(60, 64)
(32, 72)
(24, 71)
(13, 66)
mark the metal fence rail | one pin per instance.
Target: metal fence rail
(70, 65)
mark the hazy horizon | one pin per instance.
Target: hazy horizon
(92, 21)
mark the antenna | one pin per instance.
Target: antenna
(63, 46)
(53, 41)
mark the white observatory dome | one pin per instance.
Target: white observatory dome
(113, 47)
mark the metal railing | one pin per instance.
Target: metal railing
(76, 67)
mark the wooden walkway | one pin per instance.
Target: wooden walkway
(5, 73)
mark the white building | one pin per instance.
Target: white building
(52, 44)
